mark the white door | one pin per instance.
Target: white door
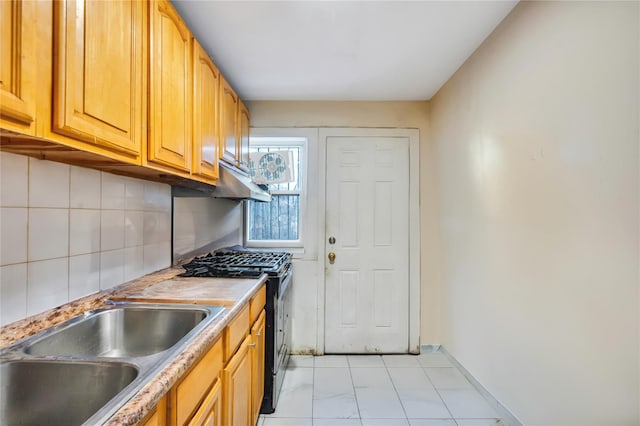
(367, 228)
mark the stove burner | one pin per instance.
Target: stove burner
(236, 264)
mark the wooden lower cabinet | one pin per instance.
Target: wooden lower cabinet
(225, 387)
(257, 366)
(210, 412)
(236, 379)
(157, 417)
(194, 391)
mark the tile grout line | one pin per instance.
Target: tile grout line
(353, 386)
(404, 410)
(438, 392)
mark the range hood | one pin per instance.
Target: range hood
(232, 184)
(237, 185)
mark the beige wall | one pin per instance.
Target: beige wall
(365, 114)
(536, 139)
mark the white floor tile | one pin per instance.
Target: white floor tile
(379, 403)
(400, 360)
(357, 361)
(467, 404)
(296, 396)
(371, 377)
(418, 396)
(333, 395)
(337, 422)
(282, 421)
(385, 422)
(331, 361)
(432, 422)
(300, 361)
(447, 378)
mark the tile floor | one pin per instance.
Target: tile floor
(374, 390)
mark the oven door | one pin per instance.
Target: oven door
(283, 333)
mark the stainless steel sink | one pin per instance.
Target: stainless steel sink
(39, 392)
(120, 333)
(83, 370)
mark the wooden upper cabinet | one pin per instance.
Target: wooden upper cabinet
(170, 97)
(206, 78)
(98, 72)
(243, 136)
(18, 66)
(228, 123)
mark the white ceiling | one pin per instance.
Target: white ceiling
(340, 50)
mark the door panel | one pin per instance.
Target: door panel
(170, 96)
(205, 114)
(82, 108)
(18, 66)
(367, 287)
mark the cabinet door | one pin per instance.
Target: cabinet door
(228, 123)
(171, 90)
(257, 366)
(98, 73)
(210, 412)
(237, 387)
(205, 113)
(243, 136)
(18, 66)
(158, 416)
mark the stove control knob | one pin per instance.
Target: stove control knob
(332, 257)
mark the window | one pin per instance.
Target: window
(279, 223)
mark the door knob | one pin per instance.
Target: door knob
(332, 257)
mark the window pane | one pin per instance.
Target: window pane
(277, 220)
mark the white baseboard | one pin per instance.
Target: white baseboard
(503, 411)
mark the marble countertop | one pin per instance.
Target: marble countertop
(159, 287)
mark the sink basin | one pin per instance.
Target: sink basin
(38, 392)
(83, 370)
(121, 332)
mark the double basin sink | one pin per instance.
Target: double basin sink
(83, 370)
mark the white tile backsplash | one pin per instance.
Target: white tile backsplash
(48, 234)
(84, 231)
(13, 240)
(112, 191)
(157, 227)
(111, 230)
(157, 197)
(85, 188)
(13, 293)
(156, 257)
(84, 275)
(134, 195)
(47, 284)
(133, 228)
(69, 231)
(48, 184)
(14, 173)
(111, 268)
(133, 263)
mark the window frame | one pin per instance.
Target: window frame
(290, 140)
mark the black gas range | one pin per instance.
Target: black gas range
(238, 262)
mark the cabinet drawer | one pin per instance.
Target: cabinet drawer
(236, 332)
(257, 303)
(191, 390)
